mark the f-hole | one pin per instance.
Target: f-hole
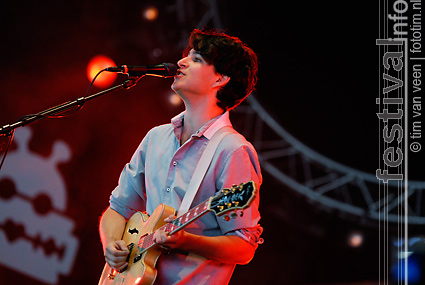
(133, 231)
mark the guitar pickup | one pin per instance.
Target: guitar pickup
(137, 258)
(130, 248)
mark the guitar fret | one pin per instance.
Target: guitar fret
(147, 241)
(166, 228)
(141, 241)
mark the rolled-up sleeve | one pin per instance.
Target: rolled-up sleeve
(241, 166)
(251, 235)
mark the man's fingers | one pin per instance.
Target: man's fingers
(116, 258)
(116, 255)
(117, 265)
(160, 237)
(170, 218)
(122, 266)
(121, 245)
(117, 252)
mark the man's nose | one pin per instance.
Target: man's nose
(182, 63)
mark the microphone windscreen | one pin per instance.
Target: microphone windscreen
(170, 69)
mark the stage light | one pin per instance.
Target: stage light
(96, 64)
(408, 265)
(150, 13)
(414, 273)
(355, 239)
(157, 52)
(174, 99)
(404, 254)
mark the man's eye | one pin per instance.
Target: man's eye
(196, 59)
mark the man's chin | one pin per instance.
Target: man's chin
(176, 87)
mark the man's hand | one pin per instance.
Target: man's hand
(111, 227)
(164, 240)
(225, 249)
(116, 253)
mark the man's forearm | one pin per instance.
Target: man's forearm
(111, 227)
(225, 249)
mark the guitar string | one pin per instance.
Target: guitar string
(146, 242)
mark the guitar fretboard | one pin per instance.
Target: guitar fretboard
(146, 241)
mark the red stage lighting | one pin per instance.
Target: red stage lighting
(174, 99)
(150, 13)
(355, 239)
(96, 64)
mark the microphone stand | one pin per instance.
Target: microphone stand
(6, 130)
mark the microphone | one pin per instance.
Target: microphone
(165, 70)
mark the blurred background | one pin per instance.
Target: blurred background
(312, 119)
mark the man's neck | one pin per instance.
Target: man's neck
(196, 116)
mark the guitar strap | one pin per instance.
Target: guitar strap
(201, 168)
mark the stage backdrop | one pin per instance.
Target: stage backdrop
(59, 173)
(318, 82)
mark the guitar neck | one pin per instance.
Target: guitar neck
(187, 218)
(238, 197)
(176, 225)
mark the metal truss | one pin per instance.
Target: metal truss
(194, 14)
(322, 181)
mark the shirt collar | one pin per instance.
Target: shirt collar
(207, 130)
(210, 128)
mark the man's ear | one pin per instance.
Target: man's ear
(221, 81)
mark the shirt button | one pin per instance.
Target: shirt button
(168, 189)
(174, 163)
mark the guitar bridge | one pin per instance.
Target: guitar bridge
(137, 258)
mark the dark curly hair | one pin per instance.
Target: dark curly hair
(231, 57)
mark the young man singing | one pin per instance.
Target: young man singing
(216, 73)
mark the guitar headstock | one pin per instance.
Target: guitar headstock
(238, 197)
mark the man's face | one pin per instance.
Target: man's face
(194, 76)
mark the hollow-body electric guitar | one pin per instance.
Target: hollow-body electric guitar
(140, 229)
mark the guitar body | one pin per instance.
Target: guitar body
(143, 271)
(140, 228)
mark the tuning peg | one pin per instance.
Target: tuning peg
(226, 217)
(234, 215)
